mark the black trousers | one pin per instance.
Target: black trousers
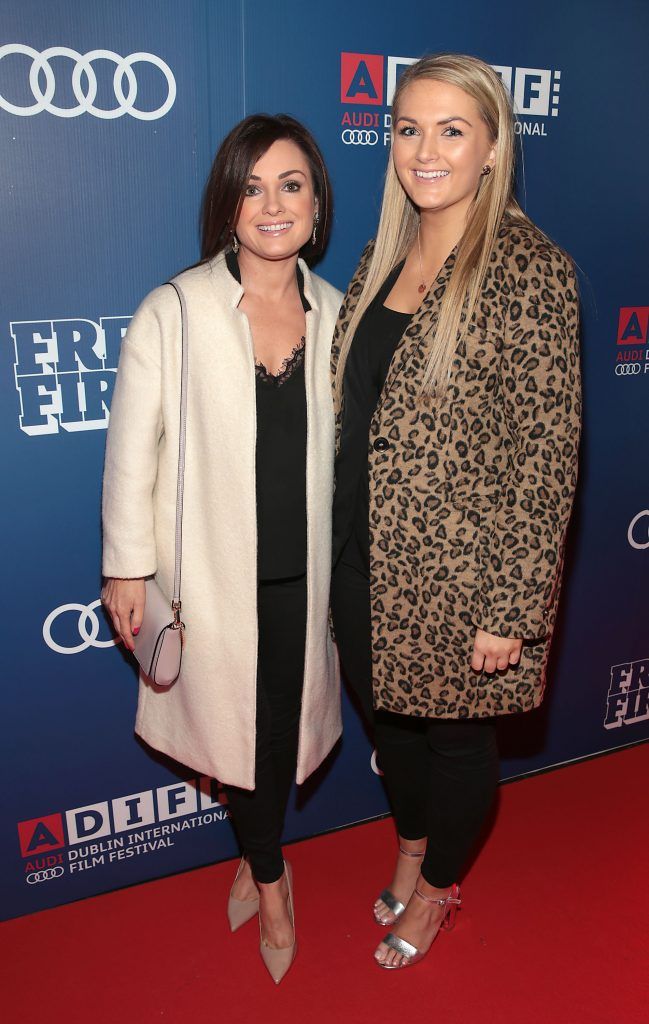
(258, 814)
(440, 774)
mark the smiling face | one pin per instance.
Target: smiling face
(277, 212)
(440, 147)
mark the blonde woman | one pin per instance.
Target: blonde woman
(458, 403)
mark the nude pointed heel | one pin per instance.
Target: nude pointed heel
(392, 903)
(411, 955)
(240, 911)
(278, 961)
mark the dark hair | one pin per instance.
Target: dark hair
(230, 174)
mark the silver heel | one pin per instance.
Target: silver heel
(392, 903)
(411, 955)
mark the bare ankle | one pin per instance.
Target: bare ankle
(432, 891)
(412, 847)
(273, 890)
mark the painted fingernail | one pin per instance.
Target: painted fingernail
(136, 631)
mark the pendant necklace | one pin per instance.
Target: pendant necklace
(422, 286)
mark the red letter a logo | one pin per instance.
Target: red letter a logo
(361, 78)
(632, 325)
(40, 835)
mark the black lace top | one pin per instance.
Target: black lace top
(290, 366)
(281, 460)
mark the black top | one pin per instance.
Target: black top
(366, 369)
(280, 459)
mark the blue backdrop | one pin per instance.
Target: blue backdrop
(109, 117)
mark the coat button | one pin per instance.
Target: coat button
(381, 444)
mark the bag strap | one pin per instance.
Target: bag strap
(180, 485)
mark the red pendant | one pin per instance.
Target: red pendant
(421, 289)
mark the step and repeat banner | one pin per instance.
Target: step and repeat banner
(110, 114)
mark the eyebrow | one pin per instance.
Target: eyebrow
(286, 174)
(446, 120)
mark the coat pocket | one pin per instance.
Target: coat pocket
(452, 563)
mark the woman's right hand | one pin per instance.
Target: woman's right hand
(125, 599)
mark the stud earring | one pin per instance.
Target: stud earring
(235, 244)
(486, 170)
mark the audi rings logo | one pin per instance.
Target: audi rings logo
(87, 628)
(638, 535)
(44, 876)
(626, 369)
(359, 137)
(42, 83)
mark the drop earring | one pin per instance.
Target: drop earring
(315, 225)
(235, 244)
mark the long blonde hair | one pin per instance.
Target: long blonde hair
(399, 220)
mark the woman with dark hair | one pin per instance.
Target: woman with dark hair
(258, 694)
(458, 395)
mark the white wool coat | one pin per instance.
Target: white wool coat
(207, 718)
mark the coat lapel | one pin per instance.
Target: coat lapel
(412, 343)
(420, 331)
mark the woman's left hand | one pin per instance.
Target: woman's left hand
(492, 652)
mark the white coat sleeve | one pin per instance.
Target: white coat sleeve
(134, 432)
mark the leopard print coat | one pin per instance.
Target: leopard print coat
(470, 500)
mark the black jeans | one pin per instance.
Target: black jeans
(259, 814)
(440, 774)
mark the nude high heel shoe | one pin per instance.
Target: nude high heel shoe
(240, 911)
(278, 961)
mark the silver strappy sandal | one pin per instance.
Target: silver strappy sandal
(392, 903)
(410, 953)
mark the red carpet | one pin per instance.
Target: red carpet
(554, 929)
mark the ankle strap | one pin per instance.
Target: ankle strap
(409, 853)
(452, 898)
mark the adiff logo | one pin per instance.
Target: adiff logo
(535, 91)
(368, 80)
(632, 351)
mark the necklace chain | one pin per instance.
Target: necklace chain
(422, 286)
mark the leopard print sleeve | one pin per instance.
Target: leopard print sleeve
(541, 386)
